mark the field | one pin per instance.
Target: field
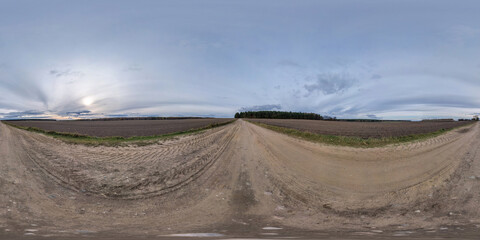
(123, 128)
(361, 129)
(238, 180)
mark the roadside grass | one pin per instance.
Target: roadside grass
(75, 138)
(354, 141)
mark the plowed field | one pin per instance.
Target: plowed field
(125, 128)
(362, 129)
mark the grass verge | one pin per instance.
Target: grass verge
(353, 141)
(75, 138)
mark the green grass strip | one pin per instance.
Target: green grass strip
(353, 141)
(75, 138)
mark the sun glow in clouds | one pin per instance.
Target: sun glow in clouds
(87, 101)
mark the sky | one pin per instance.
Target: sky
(348, 59)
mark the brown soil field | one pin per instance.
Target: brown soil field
(123, 128)
(239, 181)
(362, 129)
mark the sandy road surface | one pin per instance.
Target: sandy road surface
(239, 180)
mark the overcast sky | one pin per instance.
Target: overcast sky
(350, 59)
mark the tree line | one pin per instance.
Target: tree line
(475, 118)
(278, 115)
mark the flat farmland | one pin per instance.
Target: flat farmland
(204, 180)
(122, 128)
(361, 129)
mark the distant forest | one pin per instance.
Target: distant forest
(279, 115)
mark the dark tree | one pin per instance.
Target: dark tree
(278, 115)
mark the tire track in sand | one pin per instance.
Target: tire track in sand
(307, 171)
(127, 172)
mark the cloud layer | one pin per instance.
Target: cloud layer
(330, 84)
(267, 107)
(355, 59)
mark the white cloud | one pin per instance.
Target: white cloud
(328, 83)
